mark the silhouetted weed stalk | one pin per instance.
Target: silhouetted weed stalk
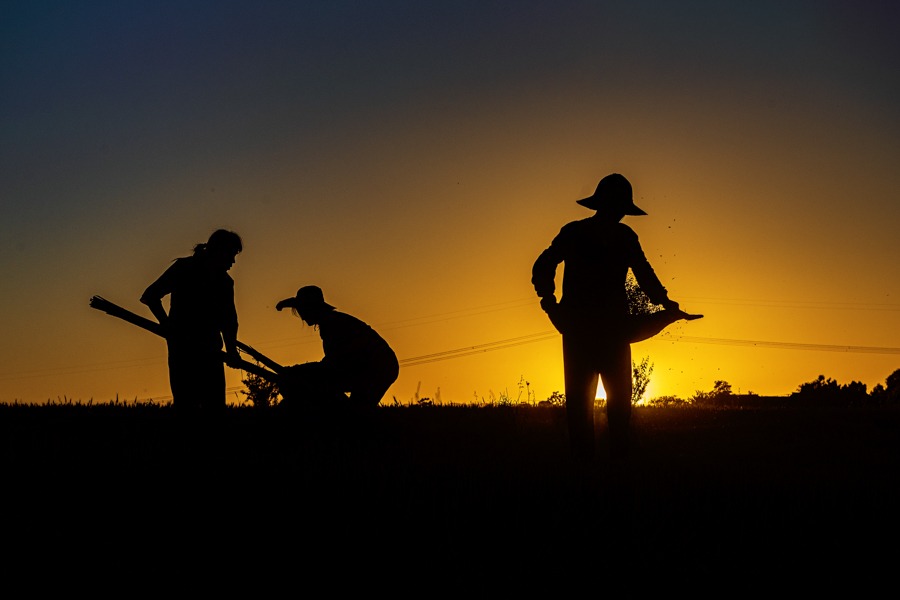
(506, 399)
(640, 379)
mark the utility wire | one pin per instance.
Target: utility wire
(308, 339)
(469, 350)
(138, 362)
(522, 302)
(814, 305)
(547, 335)
(479, 351)
(781, 345)
(519, 303)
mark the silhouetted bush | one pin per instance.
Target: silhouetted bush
(887, 396)
(827, 392)
(667, 401)
(260, 392)
(719, 396)
(893, 385)
(555, 399)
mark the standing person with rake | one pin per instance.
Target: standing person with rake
(593, 314)
(201, 315)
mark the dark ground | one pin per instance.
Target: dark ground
(483, 486)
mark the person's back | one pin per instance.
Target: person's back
(201, 301)
(598, 254)
(340, 331)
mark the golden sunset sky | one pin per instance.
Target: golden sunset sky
(413, 160)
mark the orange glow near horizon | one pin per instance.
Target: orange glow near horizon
(771, 200)
(735, 250)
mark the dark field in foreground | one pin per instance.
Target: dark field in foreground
(130, 485)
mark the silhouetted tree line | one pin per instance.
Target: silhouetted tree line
(827, 392)
(889, 394)
(721, 395)
(820, 392)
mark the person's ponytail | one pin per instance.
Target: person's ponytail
(221, 239)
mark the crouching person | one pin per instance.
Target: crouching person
(357, 360)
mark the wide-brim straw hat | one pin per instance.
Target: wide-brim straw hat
(308, 297)
(613, 192)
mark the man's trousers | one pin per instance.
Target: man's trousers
(589, 355)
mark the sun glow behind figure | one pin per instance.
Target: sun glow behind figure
(421, 179)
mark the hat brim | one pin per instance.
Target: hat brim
(595, 203)
(292, 303)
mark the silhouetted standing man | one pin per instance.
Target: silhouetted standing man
(201, 315)
(593, 312)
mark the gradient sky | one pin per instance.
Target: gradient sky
(413, 159)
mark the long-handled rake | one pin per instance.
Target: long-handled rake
(104, 305)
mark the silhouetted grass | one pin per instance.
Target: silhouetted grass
(123, 482)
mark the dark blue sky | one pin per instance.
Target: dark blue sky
(324, 130)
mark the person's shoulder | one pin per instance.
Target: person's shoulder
(345, 318)
(576, 225)
(574, 228)
(184, 264)
(338, 323)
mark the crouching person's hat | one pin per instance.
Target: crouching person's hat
(308, 297)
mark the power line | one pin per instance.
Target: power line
(547, 335)
(308, 339)
(430, 319)
(478, 349)
(794, 304)
(138, 362)
(781, 345)
(520, 303)
(529, 300)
